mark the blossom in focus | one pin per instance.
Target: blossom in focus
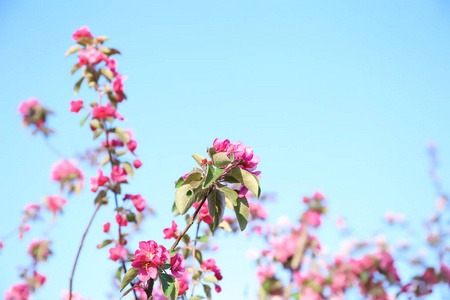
(241, 152)
(171, 232)
(76, 105)
(204, 213)
(148, 257)
(117, 252)
(177, 265)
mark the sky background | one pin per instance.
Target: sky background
(337, 96)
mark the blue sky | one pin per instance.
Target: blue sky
(340, 96)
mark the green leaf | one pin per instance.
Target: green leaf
(194, 175)
(247, 179)
(95, 124)
(203, 239)
(364, 277)
(210, 180)
(123, 136)
(242, 211)
(198, 158)
(229, 194)
(131, 217)
(118, 273)
(221, 159)
(100, 196)
(104, 243)
(121, 152)
(210, 278)
(198, 256)
(77, 86)
(107, 73)
(75, 68)
(179, 182)
(225, 225)
(128, 168)
(105, 160)
(207, 290)
(97, 133)
(216, 206)
(182, 200)
(209, 176)
(176, 289)
(73, 49)
(84, 119)
(232, 156)
(196, 298)
(167, 283)
(129, 276)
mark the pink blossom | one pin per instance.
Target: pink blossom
(148, 257)
(38, 249)
(39, 279)
(75, 296)
(204, 213)
(18, 291)
(217, 288)
(65, 170)
(102, 112)
(132, 145)
(265, 272)
(171, 232)
(138, 202)
(309, 294)
(32, 210)
(100, 180)
(117, 252)
(27, 106)
(118, 84)
(113, 143)
(242, 153)
(184, 283)
(54, 203)
(112, 65)
(90, 56)
(137, 163)
(84, 31)
(76, 105)
(387, 263)
(1, 244)
(258, 211)
(210, 265)
(106, 227)
(312, 218)
(318, 195)
(121, 220)
(118, 174)
(178, 264)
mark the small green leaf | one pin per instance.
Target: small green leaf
(179, 182)
(107, 73)
(84, 119)
(207, 290)
(73, 49)
(225, 226)
(176, 289)
(210, 180)
(182, 200)
(196, 298)
(221, 159)
(131, 217)
(118, 273)
(123, 136)
(129, 276)
(229, 194)
(105, 160)
(242, 212)
(198, 158)
(203, 239)
(95, 124)
(75, 68)
(198, 256)
(210, 278)
(167, 283)
(209, 176)
(128, 168)
(104, 243)
(247, 179)
(100, 196)
(216, 206)
(77, 86)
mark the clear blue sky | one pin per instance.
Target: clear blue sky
(340, 96)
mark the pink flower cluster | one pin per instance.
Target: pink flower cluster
(138, 202)
(54, 203)
(148, 257)
(66, 171)
(84, 31)
(103, 112)
(210, 265)
(171, 232)
(33, 113)
(242, 153)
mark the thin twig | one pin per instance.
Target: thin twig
(81, 246)
(194, 283)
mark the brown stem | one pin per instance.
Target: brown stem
(194, 283)
(79, 249)
(149, 290)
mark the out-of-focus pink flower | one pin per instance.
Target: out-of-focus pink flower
(210, 265)
(178, 264)
(265, 272)
(318, 196)
(138, 202)
(38, 279)
(121, 220)
(112, 65)
(38, 249)
(204, 213)
(217, 288)
(117, 252)
(84, 31)
(1, 244)
(32, 210)
(312, 218)
(54, 203)
(118, 174)
(137, 163)
(113, 143)
(184, 283)
(76, 105)
(18, 291)
(90, 56)
(132, 145)
(106, 227)
(26, 107)
(100, 180)
(258, 211)
(148, 257)
(309, 294)
(171, 232)
(102, 112)
(118, 86)
(65, 295)
(66, 171)
(445, 272)
(387, 263)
